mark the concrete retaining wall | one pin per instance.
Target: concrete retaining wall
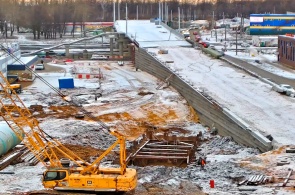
(209, 111)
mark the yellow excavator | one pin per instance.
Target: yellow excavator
(71, 172)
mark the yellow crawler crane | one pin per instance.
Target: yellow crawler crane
(71, 173)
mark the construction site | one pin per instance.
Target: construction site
(121, 129)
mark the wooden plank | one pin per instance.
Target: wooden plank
(250, 179)
(156, 143)
(184, 143)
(133, 154)
(159, 157)
(242, 182)
(164, 149)
(260, 179)
(168, 146)
(163, 153)
(286, 180)
(253, 179)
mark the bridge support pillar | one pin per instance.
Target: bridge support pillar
(111, 46)
(67, 50)
(121, 43)
(46, 52)
(130, 49)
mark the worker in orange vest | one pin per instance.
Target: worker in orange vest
(202, 162)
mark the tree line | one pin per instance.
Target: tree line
(48, 18)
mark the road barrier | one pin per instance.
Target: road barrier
(87, 76)
(210, 112)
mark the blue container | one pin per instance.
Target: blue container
(8, 139)
(66, 83)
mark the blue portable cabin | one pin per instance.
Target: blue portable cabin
(272, 24)
(66, 83)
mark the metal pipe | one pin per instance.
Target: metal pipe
(8, 139)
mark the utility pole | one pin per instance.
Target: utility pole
(179, 19)
(225, 33)
(236, 40)
(162, 15)
(159, 11)
(182, 18)
(212, 21)
(224, 26)
(137, 12)
(167, 14)
(114, 11)
(126, 18)
(119, 13)
(241, 25)
(215, 35)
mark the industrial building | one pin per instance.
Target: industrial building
(272, 24)
(287, 50)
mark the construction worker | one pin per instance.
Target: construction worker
(202, 162)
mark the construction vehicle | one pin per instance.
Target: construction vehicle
(13, 87)
(70, 172)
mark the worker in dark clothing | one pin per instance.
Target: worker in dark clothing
(97, 96)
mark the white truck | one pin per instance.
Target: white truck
(284, 89)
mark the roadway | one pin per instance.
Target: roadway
(263, 73)
(249, 98)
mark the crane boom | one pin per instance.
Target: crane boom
(77, 174)
(24, 125)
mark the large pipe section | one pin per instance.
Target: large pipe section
(8, 139)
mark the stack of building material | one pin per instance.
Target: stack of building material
(255, 180)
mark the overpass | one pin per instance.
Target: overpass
(149, 37)
(117, 41)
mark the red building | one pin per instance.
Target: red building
(287, 50)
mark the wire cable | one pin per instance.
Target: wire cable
(71, 102)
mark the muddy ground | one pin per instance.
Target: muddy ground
(227, 162)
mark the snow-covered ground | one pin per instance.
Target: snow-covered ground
(246, 96)
(242, 94)
(267, 58)
(120, 88)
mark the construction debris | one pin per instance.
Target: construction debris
(255, 180)
(10, 158)
(288, 177)
(6, 172)
(290, 150)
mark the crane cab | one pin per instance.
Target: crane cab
(55, 178)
